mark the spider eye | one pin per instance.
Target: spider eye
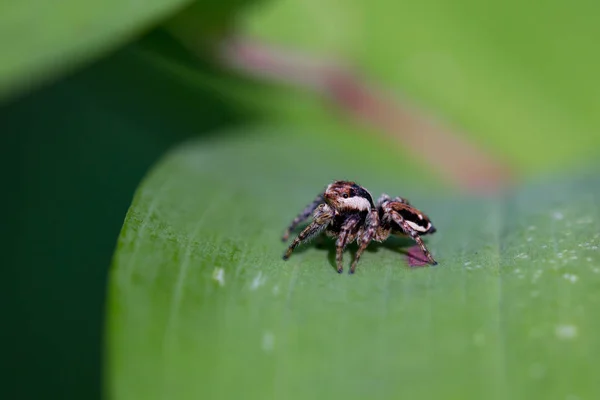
(345, 195)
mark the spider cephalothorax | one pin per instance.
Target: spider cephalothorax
(346, 211)
(349, 197)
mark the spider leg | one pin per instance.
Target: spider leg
(345, 237)
(414, 235)
(322, 218)
(401, 200)
(372, 224)
(383, 198)
(308, 210)
(308, 233)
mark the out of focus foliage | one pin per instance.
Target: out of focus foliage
(42, 40)
(518, 78)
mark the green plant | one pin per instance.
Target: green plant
(198, 294)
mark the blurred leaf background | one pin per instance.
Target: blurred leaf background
(93, 95)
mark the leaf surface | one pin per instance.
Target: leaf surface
(202, 305)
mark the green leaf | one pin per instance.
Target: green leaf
(41, 40)
(202, 305)
(513, 76)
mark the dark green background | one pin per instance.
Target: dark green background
(72, 158)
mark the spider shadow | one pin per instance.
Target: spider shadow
(396, 244)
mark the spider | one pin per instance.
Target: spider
(346, 211)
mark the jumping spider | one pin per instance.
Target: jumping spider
(346, 211)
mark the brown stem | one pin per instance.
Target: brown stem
(446, 151)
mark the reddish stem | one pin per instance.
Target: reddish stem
(446, 151)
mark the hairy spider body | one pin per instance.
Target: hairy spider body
(346, 211)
